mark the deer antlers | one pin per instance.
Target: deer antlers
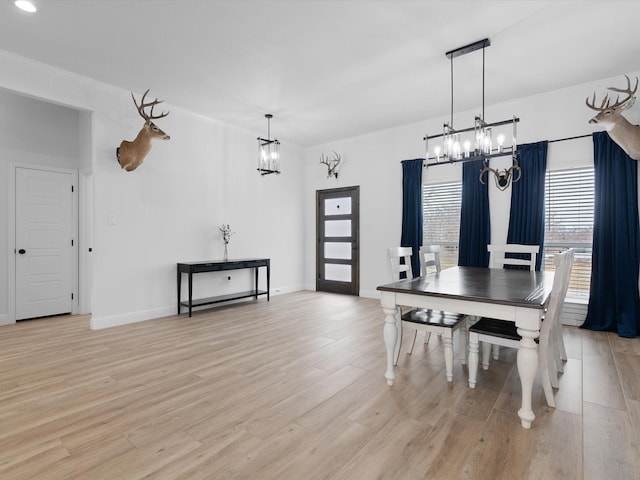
(622, 105)
(143, 105)
(331, 164)
(504, 177)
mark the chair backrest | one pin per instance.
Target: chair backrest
(498, 259)
(562, 276)
(430, 259)
(394, 254)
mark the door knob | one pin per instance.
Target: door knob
(22, 251)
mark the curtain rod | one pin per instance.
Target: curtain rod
(569, 138)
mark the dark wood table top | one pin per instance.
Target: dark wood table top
(488, 285)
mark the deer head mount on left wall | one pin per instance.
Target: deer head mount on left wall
(131, 154)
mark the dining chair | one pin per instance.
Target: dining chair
(498, 255)
(430, 263)
(501, 255)
(504, 333)
(426, 320)
(430, 259)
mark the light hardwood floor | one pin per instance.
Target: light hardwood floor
(295, 389)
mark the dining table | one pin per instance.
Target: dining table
(515, 295)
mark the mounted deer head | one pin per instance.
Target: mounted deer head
(504, 177)
(131, 154)
(331, 164)
(621, 131)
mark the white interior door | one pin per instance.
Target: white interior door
(44, 243)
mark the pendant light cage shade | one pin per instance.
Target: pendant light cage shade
(268, 152)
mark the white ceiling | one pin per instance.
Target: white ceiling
(327, 69)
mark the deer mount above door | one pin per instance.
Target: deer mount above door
(621, 131)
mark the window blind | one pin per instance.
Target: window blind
(441, 218)
(569, 205)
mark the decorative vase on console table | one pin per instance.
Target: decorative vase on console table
(226, 236)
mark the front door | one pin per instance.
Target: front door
(338, 240)
(44, 243)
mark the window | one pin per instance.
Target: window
(569, 202)
(441, 218)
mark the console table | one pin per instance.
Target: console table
(217, 266)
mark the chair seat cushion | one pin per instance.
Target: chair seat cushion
(433, 317)
(496, 328)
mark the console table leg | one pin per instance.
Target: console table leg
(255, 273)
(179, 282)
(190, 291)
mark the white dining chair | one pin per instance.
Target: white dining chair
(425, 320)
(504, 333)
(430, 259)
(499, 257)
(430, 263)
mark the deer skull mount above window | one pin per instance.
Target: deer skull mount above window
(621, 131)
(131, 154)
(331, 163)
(505, 177)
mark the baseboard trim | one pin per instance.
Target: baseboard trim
(4, 320)
(127, 318)
(370, 294)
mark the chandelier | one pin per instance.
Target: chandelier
(483, 141)
(268, 152)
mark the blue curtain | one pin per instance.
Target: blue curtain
(614, 305)
(475, 223)
(412, 210)
(526, 221)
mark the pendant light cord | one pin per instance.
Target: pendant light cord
(483, 83)
(451, 124)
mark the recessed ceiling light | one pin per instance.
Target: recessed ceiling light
(25, 5)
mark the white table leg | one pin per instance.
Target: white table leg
(486, 355)
(448, 355)
(474, 348)
(396, 349)
(390, 340)
(464, 344)
(527, 368)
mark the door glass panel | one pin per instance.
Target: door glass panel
(337, 273)
(337, 206)
(337, 228)
(341, 250)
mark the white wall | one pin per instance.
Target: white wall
(169, 209)
(373, 162)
